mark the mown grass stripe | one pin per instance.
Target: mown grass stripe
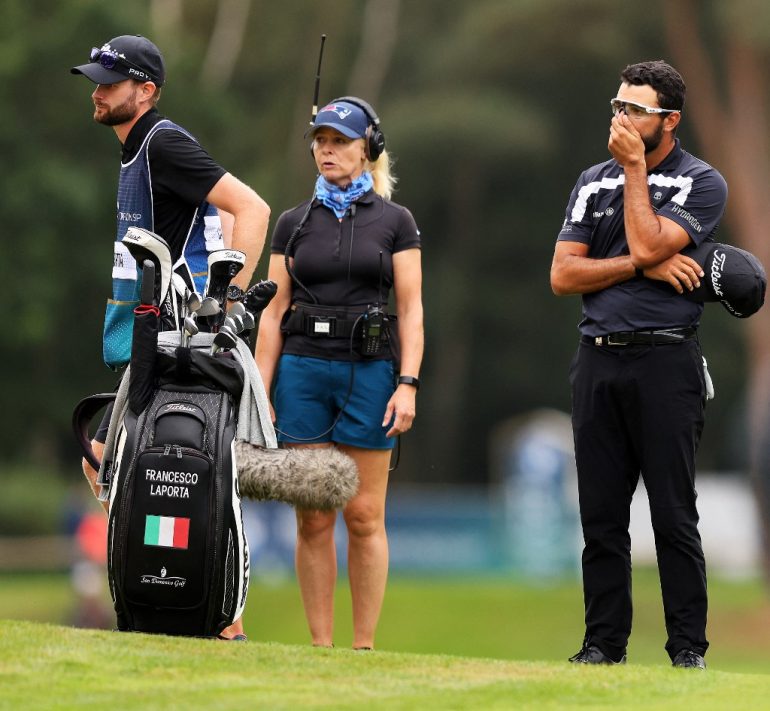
(52, 667)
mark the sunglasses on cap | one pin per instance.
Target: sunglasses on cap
(108, 58)
(634, 110)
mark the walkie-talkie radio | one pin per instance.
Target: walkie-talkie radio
(374, 321)
(374, 324)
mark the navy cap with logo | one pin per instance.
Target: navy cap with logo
(733, 276)
(124, 57)
(349, 119)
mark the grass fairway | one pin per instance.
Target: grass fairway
(505, 619)
(48, 667)
(467, 617)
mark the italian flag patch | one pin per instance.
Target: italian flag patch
(166, 531)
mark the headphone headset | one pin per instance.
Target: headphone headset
(374, 140)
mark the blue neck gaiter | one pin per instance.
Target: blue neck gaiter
(338, 199)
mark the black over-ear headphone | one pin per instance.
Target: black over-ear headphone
(374, 141)
(375, 138)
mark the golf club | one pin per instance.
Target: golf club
(224, 340)
(190, 329)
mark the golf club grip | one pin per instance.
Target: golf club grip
(148, 282)
(81, 418)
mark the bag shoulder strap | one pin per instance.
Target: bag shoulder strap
(81, 419)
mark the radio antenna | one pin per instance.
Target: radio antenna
(314, 112)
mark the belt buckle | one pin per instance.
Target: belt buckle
(608, 339)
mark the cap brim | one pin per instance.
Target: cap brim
(701, 254)
(344, 130)
(99, 74)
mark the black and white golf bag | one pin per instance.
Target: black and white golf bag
(178, 557)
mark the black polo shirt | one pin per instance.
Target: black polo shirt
(338, 260)
(182, 175)
(682, 188)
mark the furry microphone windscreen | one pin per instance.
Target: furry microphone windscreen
(320, 479)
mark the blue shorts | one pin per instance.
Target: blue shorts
(309, 393)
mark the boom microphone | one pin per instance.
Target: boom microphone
(322, 478)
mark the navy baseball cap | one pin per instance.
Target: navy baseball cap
(349, 119)
(124, 57)
(733, 276)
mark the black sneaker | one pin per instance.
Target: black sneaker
(590, 654)
(687, 659)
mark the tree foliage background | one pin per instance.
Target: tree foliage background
(491, 108)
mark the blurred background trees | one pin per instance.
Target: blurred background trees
(726, 52)
(491, 109)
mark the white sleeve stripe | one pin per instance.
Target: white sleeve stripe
(684, 183)
(579, 209)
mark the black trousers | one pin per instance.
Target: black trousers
(639, 409)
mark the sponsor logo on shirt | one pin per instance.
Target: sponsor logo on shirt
(681, 212)
(129, 216)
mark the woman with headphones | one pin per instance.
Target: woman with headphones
(342, 368)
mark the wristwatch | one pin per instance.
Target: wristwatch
(234, 293)
(409, 380)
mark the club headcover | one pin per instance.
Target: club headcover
(143, 244)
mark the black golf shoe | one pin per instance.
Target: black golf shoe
(590, 654)
(687, 659)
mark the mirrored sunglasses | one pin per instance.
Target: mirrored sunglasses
(108, 58)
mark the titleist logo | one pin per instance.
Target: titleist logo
(717, 266)
(178, 406)
(235, 256)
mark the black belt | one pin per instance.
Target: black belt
(646, 338)
(324, 321)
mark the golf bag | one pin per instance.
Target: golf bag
(178, 558)
(177, 553)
